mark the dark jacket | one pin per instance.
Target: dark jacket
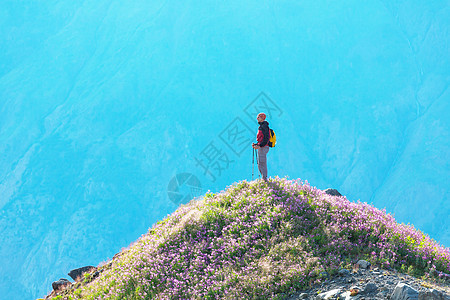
(263, 133)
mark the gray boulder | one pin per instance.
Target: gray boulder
(402, 291)
(344, 272)
(332, 192)
(433, 295)
(370, 288)
(364, 264)
(60, 284)
(329, 295)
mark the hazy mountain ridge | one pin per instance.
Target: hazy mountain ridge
(102, 104)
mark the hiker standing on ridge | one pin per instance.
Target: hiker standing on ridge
(262, 146)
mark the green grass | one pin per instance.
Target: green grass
(260, 241)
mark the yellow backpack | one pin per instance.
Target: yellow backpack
(272, 139)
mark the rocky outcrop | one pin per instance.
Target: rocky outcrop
(332, 192)
(61, 283)
(75, 274)
(369, 283)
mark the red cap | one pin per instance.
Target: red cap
(262, 115)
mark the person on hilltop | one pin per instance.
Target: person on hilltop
(262, 144)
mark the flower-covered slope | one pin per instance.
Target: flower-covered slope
(263, 241)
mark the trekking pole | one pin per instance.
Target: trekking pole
(257, 161)
(253, 162)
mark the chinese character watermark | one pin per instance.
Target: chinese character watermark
(262, 103)
(213, 160)
(183, 187)
(237, 136)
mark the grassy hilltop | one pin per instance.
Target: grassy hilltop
(258, 240)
